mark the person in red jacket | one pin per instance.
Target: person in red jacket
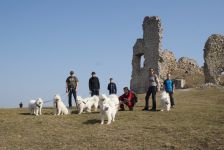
(128, 98)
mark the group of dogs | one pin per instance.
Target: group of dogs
(108, 105)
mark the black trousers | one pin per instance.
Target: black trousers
(171, 98)
(151, 90)
(72, 91)
(95, 92)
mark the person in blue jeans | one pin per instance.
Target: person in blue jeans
(169, 88)
(71, 88)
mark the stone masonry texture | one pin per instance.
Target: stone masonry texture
(214, 59)
(149, 49)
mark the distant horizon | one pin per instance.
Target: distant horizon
(42, 41)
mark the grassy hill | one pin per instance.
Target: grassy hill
(197, 122)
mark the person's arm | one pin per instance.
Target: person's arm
(115, 88)
(98, 83)
(90, 85)
(108, 87)
(67, 85)
(76, 80)
(121, 97)
(173, 85)
(77, 85)
(157, 82)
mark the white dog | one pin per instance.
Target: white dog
(108, 107)
(35, 106)
(86, 104)
(165, 101)
(60, 108)
(109, 111)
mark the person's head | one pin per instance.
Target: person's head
(111, 79)
(151, 71)
(93, 73)
(168, 75)
(71, 73)
(126, 90)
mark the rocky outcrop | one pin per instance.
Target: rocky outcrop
(188, 66)
(214, 59)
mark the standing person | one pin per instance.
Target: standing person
(154, 86)
(169, 88)
(128, 98)
(112, 87)
(71, 87)
(20, 105)
(94, 84)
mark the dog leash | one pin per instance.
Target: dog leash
(48, 101)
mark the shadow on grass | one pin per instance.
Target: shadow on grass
(92, 121)
(24, 113)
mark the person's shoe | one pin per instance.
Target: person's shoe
(172, 106)
(145, 109)
(121, 109)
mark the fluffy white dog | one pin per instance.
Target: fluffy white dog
(165, 101)
(60, 108)
(87, 104)
(108, 107)
(35, 106)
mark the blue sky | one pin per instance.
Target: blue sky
(41, 41)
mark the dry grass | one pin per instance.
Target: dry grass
(197, 122)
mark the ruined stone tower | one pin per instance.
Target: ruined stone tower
(148, 53)
(214, 59)
(147, 49)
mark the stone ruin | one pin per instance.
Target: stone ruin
(214, 60)
(148, 53)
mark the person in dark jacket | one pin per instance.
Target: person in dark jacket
(94, 84)
(112, 87)
(20, 105)
(71, 88)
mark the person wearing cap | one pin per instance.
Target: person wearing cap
(94, 84)
(128, 98)
(153, 87)
(71, 88)
(112, 87)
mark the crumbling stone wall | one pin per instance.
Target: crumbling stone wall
(188, 66)
(214, 59)
(167, 62)
(150, 48)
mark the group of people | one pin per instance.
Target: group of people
(94, 86)
(128, 98)
(154, 87)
